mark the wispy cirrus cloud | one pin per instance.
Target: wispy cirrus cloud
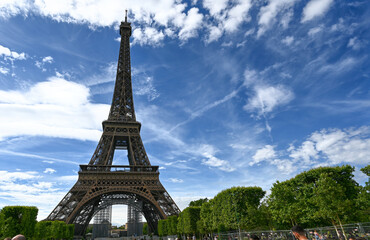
(26, 188)
(45, 159)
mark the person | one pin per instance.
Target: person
(19, 237)
(317, 235)
(299, 233)
(254, 237)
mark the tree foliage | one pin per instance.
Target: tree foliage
(363, 201)
(46, 230)
(17, 220)
(305, 199)
(198, 203)
(172, 225)
(162, 227)
(236, 207)
(145, 229)
(187, 221)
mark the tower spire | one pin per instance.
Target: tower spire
(122, 108)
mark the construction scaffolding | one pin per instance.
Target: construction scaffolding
(134, 218)
(102, 222)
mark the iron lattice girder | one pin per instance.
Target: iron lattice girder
(94, 184)
(100, 179)
(122, 107)
(118, 134)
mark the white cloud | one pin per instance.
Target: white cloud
(335, 146)
(68, 178)
(268, 154)
(214, 34)
(23, 188)
(340, 66)
(10, 8)
(288, 40)
(305, 152)
(176, 180)
(56, 108)
(49, 170)
(6, 176)
(154, 16)
(227, 16)
(267, 98)
(265, 153)
(236, 15)
(8, 54)
(268, 13)
(40, 64)
(250, 78)
(48, 161)
(192, 22)
(285, 166)
(47, 59)
(315, 30)
(207, 107)
(144, 84)
(158, 130)
(354, 43)
(215, 6)
(147, 36)
(45, 159)
(209, 152)
(315, 8)
(4, 70)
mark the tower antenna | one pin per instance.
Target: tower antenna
(126, 16)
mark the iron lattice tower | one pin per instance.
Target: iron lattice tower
(101, 184)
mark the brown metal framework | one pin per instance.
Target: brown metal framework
(100, 183)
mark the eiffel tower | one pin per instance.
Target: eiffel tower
(101, 184)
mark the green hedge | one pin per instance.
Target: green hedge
(22, 220)
(18, 220)
(45, 230)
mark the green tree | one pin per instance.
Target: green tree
(172, 225)
(18, 220)
(198, 203)
(236, 207)
(58, 229)
(46, 230)
(69, 231)
(206, 217)
(363, 200)
(187, 221)
(43, 230)
(293, 201)
(145, 229)
(330, 199)
(162, 227)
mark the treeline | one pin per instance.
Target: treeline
(22, 220)
(318, 197)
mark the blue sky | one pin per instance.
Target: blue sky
(229, 93)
